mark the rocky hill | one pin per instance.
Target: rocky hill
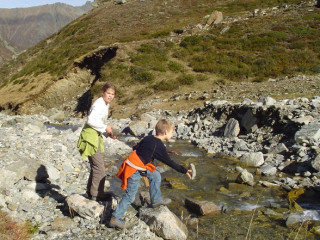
(22, 28)
(172, 55)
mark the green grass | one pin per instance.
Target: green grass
(255, 49)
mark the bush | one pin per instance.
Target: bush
(166, 85)
(141, 75)
(175, 67)
(186, 79)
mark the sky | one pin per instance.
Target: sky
(32, 3)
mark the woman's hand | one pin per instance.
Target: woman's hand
(110, 133)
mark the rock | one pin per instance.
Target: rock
(254, 159)
(232, 128)
(268, 170)
(303, 120)
(194, 171)
(294, 219)
(29, 195)
(138, 128)
(267, 101)
(62, 224)
(310, 133)
(316, 163)
(268, 184)
(279, 148)
(116, 147)
(144, 198)
(201, 207)
(84, 207)
(245, 177)
(249, 121)
(164, 223)
(8, 178)
(121, 1)
(216, 17)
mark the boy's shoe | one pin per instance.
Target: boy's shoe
(116, 223)
(163, 202)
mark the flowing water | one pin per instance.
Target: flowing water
(249, 212)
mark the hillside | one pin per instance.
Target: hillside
(21, 28)
(165, 55)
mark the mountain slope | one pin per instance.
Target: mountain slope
(24, 27)
(151, 48)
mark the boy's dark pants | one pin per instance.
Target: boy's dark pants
(97, 177)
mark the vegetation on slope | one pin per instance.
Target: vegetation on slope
(250, 49)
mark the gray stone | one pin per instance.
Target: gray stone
(303, 120)
(216, 17)
(232, 128)
(254, 159)
(138, 128)
(310, 133)
(245, 177)
(268, 170)
(85, 208)
(201, 207)
(316, 163)
(164, 223)
(279, 148)
(267, 101)
(249, 121)
(8, 178)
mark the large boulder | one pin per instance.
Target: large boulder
(253, 159)
(316, 163)
(164, 223)
(245, 177)
(85, 208)
(309, 133)
(249, 121)
(201, 207)
(216, 17)
(232, 128)
(138, 128)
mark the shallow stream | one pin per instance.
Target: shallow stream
(249, 212)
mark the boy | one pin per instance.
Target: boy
(140, 163)
(90, 141)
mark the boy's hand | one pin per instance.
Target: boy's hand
(189, 173)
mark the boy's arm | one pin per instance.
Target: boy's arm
(162, 155)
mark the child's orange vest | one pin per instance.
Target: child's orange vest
(130, 165)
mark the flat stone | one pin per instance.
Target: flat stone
(201, 207)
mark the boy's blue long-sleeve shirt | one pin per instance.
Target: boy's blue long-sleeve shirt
(150, 148)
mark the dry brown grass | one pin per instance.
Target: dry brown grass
(11, 230)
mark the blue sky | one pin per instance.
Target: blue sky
(31, 3)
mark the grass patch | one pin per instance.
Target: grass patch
(186, 79)
(166, 85)
(141, 75)
(9, 229)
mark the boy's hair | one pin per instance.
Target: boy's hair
(107, 86)
(162, 126)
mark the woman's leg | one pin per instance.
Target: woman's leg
(97, 176)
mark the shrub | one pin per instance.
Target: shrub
(186, 79)
(166, 85)
(175, 67)
(190, 41)
(141, 75)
